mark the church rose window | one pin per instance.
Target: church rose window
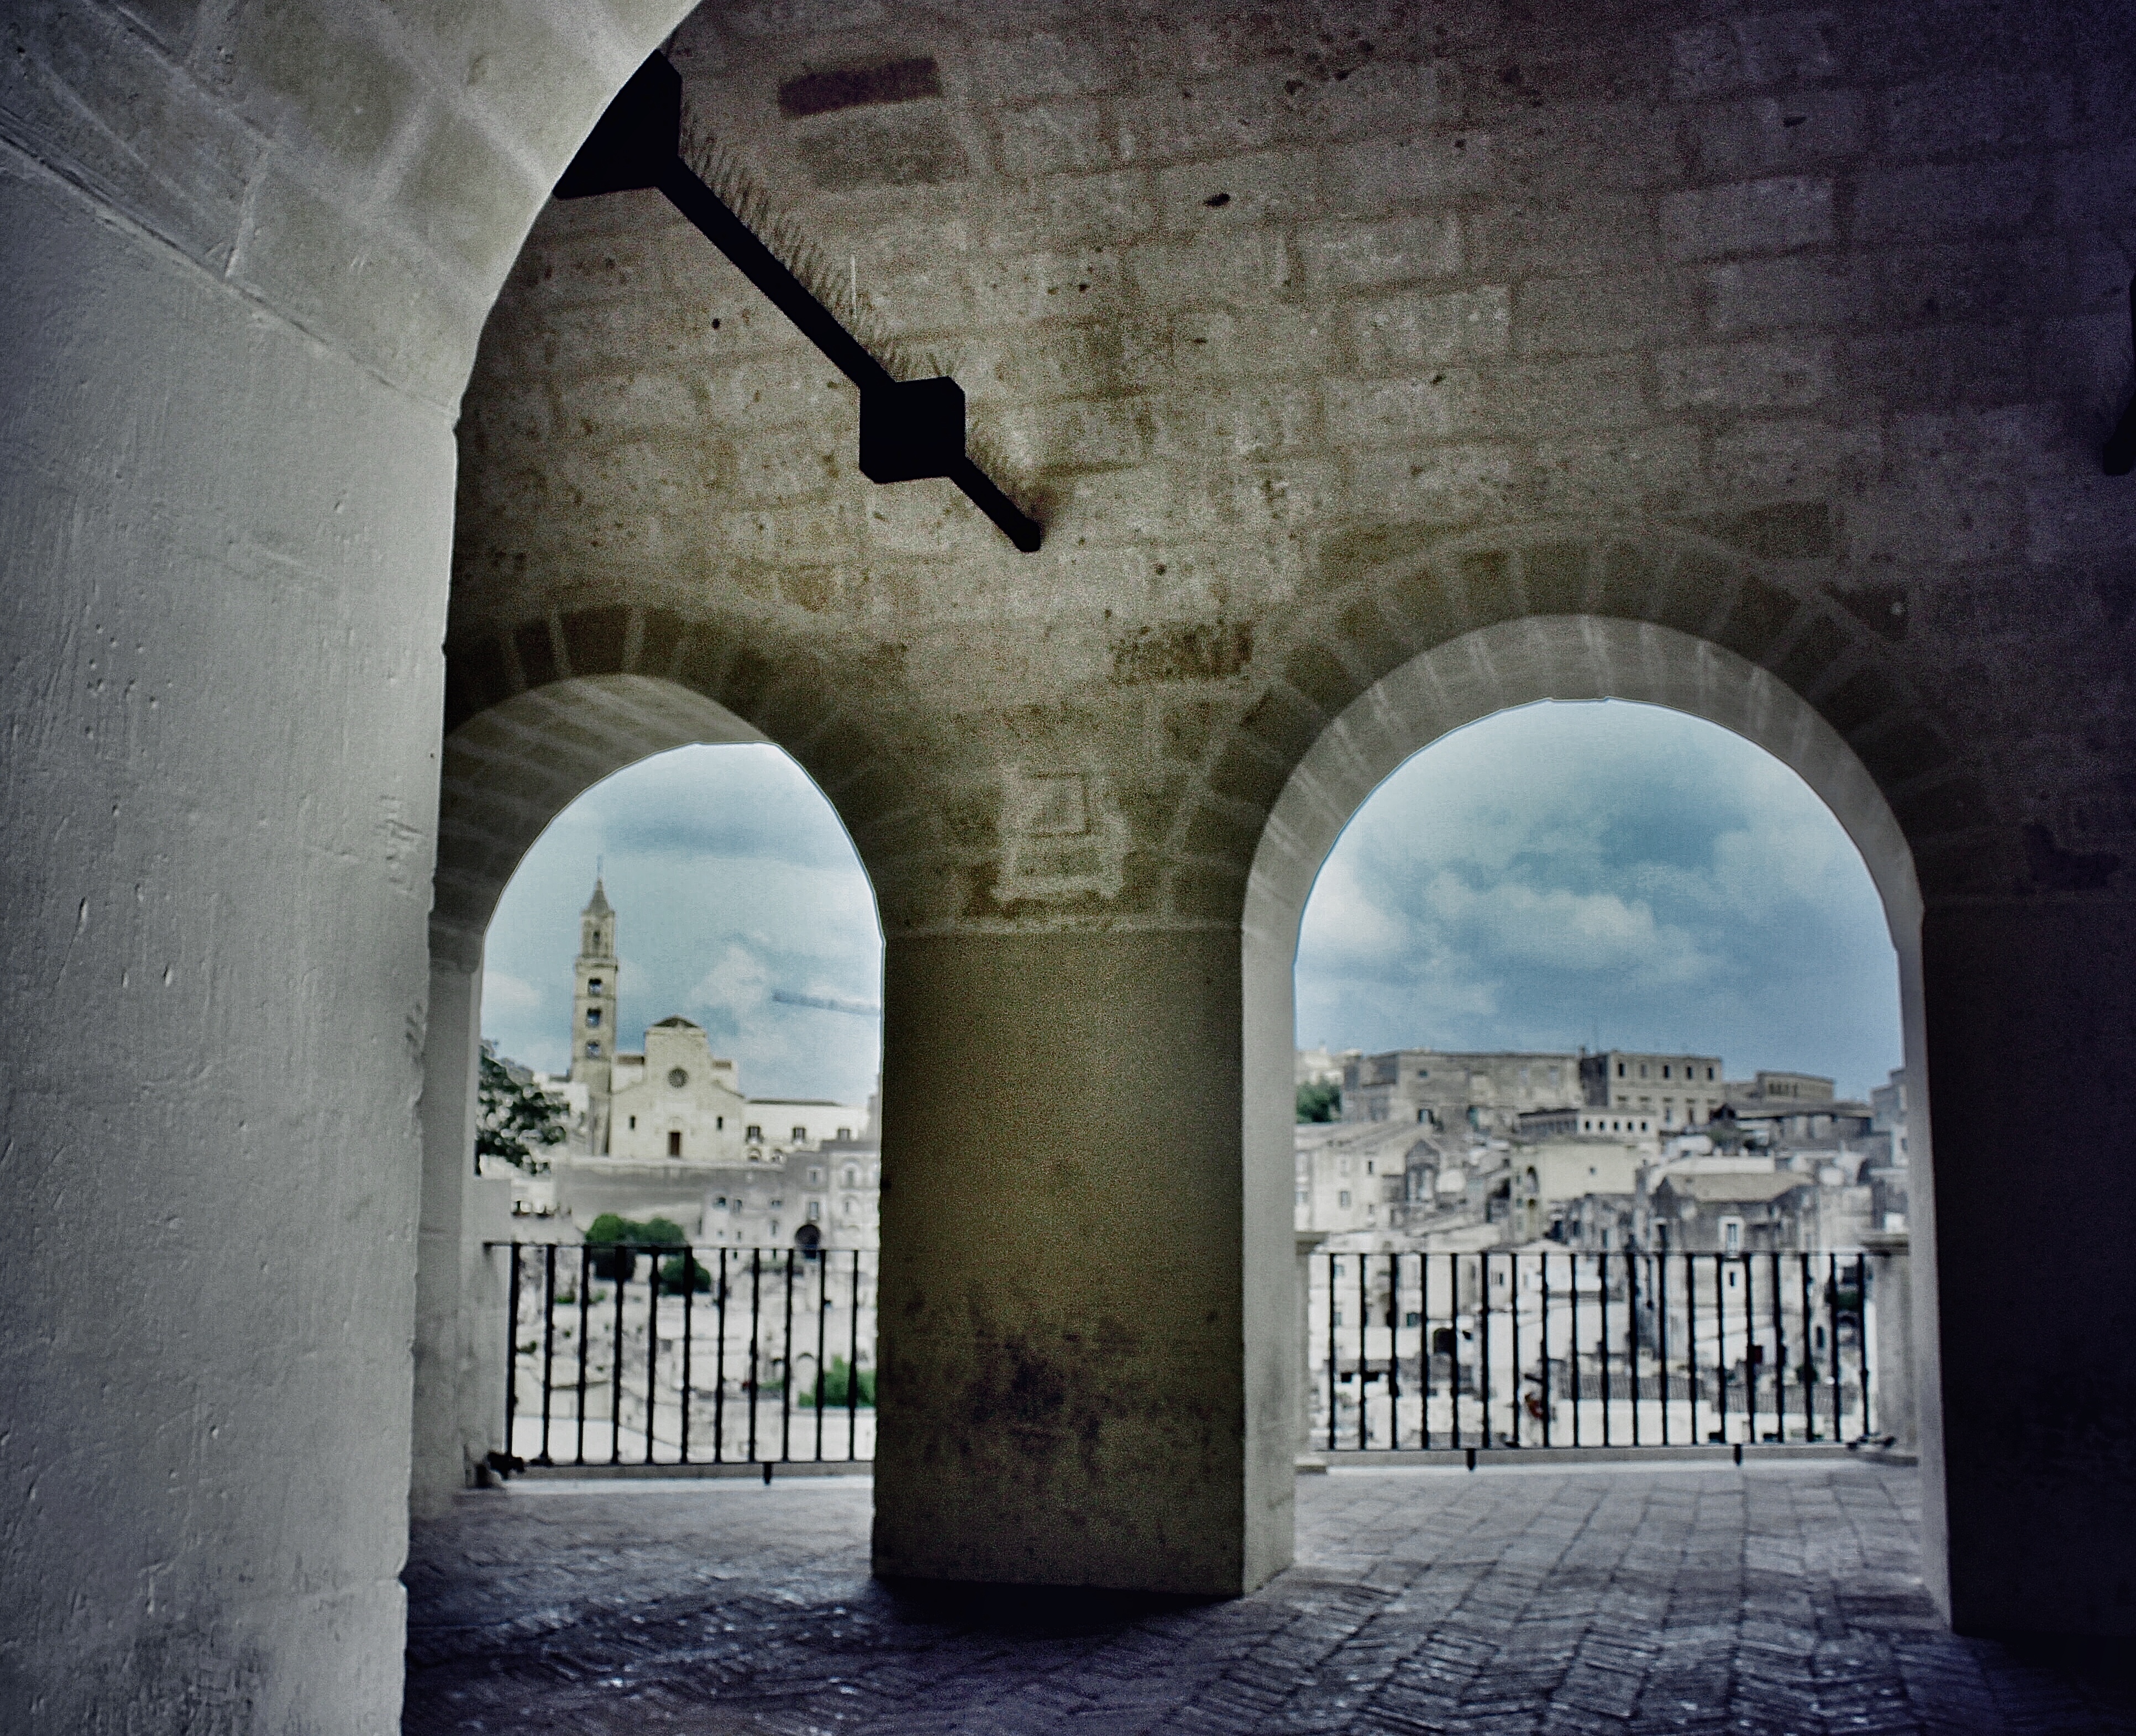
(677, 1077)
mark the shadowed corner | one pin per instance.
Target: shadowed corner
(1034, 1612)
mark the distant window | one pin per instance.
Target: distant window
(1731, 1239)
(800, 1133)
(634, 1124)
(755, 1135)
(674, 1143)
(592, 1048)
(852, 1175)
(1709, 1073)
(815, 1178)
(1412, 1319)
(1621, 1069)
(721, 1203)
(677, 1077)
(593, 1018)
(593, 986)
(1343, 1197)
(815, 1211)
(845, 1133)
(1304, 1198)
(1665, 1069)
(719, 1120)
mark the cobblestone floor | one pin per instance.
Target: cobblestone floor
(1776, 1598)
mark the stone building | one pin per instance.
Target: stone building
(1446, 1093)
(1371, 371)
(1675, 1091)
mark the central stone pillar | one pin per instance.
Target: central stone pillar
(1084, 1376)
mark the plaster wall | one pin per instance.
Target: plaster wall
(220, 599)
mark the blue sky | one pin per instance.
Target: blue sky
(1602, 873)
(1608, 874)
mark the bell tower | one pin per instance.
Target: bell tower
(593, 1010)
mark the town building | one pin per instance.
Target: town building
(666, 1131)
(1674, 1090)
(1447, 1091)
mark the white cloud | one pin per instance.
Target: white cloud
(505, 995)
(1608, 872)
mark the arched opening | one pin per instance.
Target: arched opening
(1572, 657)
(727, 1143)
(1607, 993)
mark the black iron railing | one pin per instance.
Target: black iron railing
(1521, 1348)
(657, 1353)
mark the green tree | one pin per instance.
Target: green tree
(614, 1237)
(1321, 1100)
(518, 1119)
(838, 1383)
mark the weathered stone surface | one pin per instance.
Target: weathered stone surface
(1772, 1599)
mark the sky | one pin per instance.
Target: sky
(1610, 874)
(1604, 873)
(732, 879)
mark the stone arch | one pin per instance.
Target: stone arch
(1574, 656)
(1828, 648)
(515, 755)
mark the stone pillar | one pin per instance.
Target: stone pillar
(2030, 1003)
(1308, 1244)
(1893, 1378)
(459, 1286)
(1085, 1295)
(222, 594)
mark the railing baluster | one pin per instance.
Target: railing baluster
(1832, 1302)
(1394, 1351)
(1572, 1347)
(616, 1257)
(1779, 1358)
(689, 1322)
(1632, 1333)
(1513, 1289)
(854, 1368)
(720, 1367)
(1661, 1335)
(511, 1359)
(1484, 1355)
(786, 1371)
(821, 1266)
(586, 1304)
(1809, 1366)
(1364, 1320)
(755, 1296)
(1542, 1262)
(548, 1340)
(652, 1345)
(1333, 1268)
(1861, 1334)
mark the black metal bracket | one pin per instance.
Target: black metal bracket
(2118, 455)
(909, 429)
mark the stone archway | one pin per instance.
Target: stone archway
(1573, 656)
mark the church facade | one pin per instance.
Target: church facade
(666, 1131)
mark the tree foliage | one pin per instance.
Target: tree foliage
(619, 1264)
(518, 1119)
(1321, 1100)
(839, 1384)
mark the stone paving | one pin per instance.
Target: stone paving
(1772, 1597)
